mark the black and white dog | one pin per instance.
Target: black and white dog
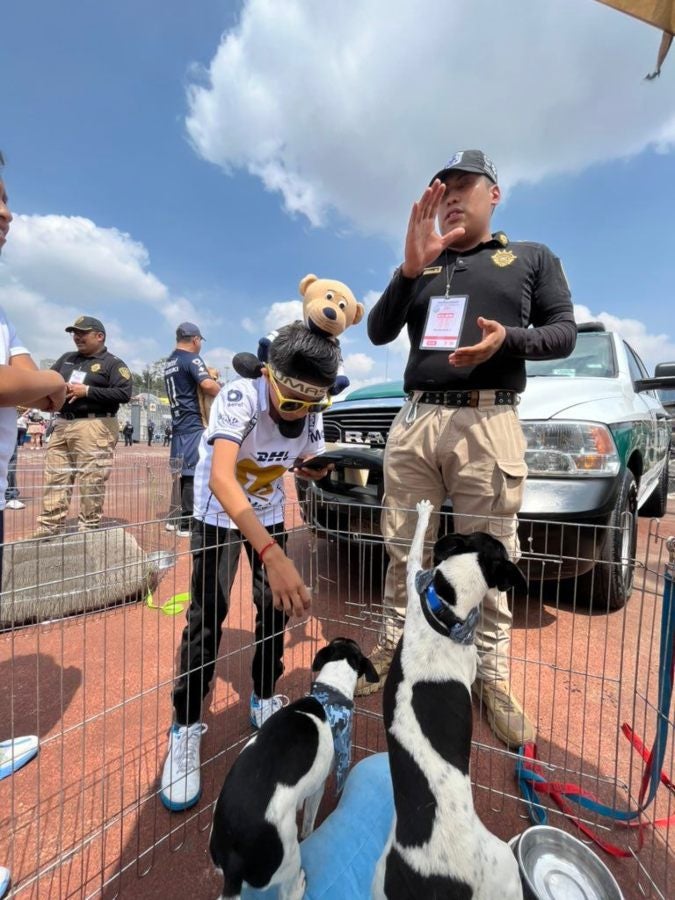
(438, 847)
(254, 837)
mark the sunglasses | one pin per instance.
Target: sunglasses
(287, 404)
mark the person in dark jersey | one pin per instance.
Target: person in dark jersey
(184, 375)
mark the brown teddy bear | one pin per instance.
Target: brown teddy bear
(328, 308)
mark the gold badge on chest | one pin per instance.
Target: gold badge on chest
(503, 258)
(95, 368)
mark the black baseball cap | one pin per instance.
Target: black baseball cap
(86, 323)
(187, 330)
(468, 161)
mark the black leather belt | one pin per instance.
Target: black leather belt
(466, 398)
(72, 415)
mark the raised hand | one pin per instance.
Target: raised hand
(423, 243)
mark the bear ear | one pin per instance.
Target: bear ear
(305, 283)
(360, 310)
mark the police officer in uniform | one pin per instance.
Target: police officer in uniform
(475, 306)
(86, 428)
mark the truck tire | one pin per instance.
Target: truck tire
(610, 583)
(656, 504)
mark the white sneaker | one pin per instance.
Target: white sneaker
(262, 708)
(183, 532)
(15, 504)
(170, 526)
(16, 752)
(4, 880)
(181, 780)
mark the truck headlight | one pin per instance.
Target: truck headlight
(570, 449)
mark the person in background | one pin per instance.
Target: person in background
(21, 427)
(128, 432)
(458, 435)
(86, 430)
(151, 432)
(185, 373)
(34, 420)
(167, 435)
(21, 383)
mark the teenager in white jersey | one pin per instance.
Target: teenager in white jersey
(257, 430)
(20, 383)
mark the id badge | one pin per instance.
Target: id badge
(445, 318)
(77, 376)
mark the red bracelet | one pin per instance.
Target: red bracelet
(264, 550)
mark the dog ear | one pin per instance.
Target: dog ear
(508, 575)
(368, 669)
(446, 546)
(321, 658)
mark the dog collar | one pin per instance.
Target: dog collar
(340, 714)
(461, 631)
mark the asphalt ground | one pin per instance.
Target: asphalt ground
(84, 819)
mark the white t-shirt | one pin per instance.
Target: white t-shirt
(264, 454)
(10, 345)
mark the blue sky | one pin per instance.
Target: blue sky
(166, 163)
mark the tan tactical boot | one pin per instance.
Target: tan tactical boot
(504, 713)
(381, 658)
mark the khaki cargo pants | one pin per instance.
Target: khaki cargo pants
(475, 456)
(84, 448)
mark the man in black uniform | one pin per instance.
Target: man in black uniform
(151, 432)
(86, 428)
(184, 375)
(467, 298)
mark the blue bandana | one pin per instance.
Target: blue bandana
(339, 712)
(462, 630)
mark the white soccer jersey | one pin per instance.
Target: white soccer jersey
(264, 454)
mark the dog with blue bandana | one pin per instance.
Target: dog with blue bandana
(254, 838)
(438, 847)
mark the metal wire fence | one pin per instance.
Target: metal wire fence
(84, 818)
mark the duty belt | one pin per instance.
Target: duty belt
(74, 415)
(466, 398)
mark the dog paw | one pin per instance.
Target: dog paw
(424, 508)
(299, 887)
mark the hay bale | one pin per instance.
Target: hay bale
(71, 573)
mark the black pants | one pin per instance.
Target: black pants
(187, 502)
(12, 490)
(215, 559)
(128, 441)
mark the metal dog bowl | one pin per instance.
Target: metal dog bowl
(556, 866)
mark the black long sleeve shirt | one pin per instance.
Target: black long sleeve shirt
(105, 375)
(519, 284)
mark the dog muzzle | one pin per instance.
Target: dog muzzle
(340, 714)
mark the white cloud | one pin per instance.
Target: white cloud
(282, 313)
(56, 268)
(652, 348)
(219, 358)
(249, 325)
(358, 364)
(351, 107)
